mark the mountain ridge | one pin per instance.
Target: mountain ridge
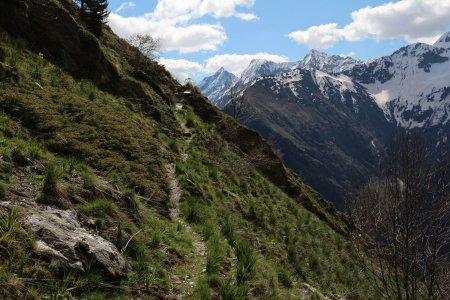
(410, 87)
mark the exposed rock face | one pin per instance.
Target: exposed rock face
(36, 20)
(61, 235)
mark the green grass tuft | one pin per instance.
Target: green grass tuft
(99, 208)
(3, 189)
(246, 256)
(53, 174)
(285, 278)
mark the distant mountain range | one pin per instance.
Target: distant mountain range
(331, 117)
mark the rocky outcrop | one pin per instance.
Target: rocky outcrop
(61, 236)
(65, 46)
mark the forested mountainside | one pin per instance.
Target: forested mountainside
(117, 182)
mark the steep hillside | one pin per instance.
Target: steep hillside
(408, 90)
(326, 128)
(116, 182)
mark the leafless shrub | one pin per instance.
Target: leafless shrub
(147, 45)
(407, 219)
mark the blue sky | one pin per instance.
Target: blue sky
(199, 36)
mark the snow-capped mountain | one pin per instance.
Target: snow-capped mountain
(257, 68)
(443, 41)
(327, 127)
(216, 85)
(316, 60)
(412, 85)
(334, 116)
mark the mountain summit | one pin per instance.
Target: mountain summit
(314, 60)
(330, 64)
(443, 41)
(218, 84)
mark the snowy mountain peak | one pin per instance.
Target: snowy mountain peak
(259, 68)
(316, 60)
(443, 41)
(216, 85)
(412, 85)
(258, 62)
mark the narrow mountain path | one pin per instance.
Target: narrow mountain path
(197, 259)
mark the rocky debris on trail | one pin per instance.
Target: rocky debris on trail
(61, 236)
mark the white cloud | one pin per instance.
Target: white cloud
(124, 6)
(236, 63)
(182, 69)
(172, 22)
(247, 17)
(413, 20)
(185, 39)
(222, 8)
(350, 54)
(322, 36)
(184, 10)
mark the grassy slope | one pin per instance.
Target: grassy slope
(260, 241)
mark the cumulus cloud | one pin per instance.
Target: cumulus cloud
(124, 6)
(172, 22)
(185, 39)
(184, 10)
(236, 63)
(350, 54)
(182, 69)
(247, 17)
(414, 20)
(322, 36)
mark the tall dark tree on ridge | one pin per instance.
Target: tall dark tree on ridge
(94, 13)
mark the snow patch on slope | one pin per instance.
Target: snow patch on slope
(342, 83)
(418, 92)
(289, 80)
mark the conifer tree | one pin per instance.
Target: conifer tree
(95, 12)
